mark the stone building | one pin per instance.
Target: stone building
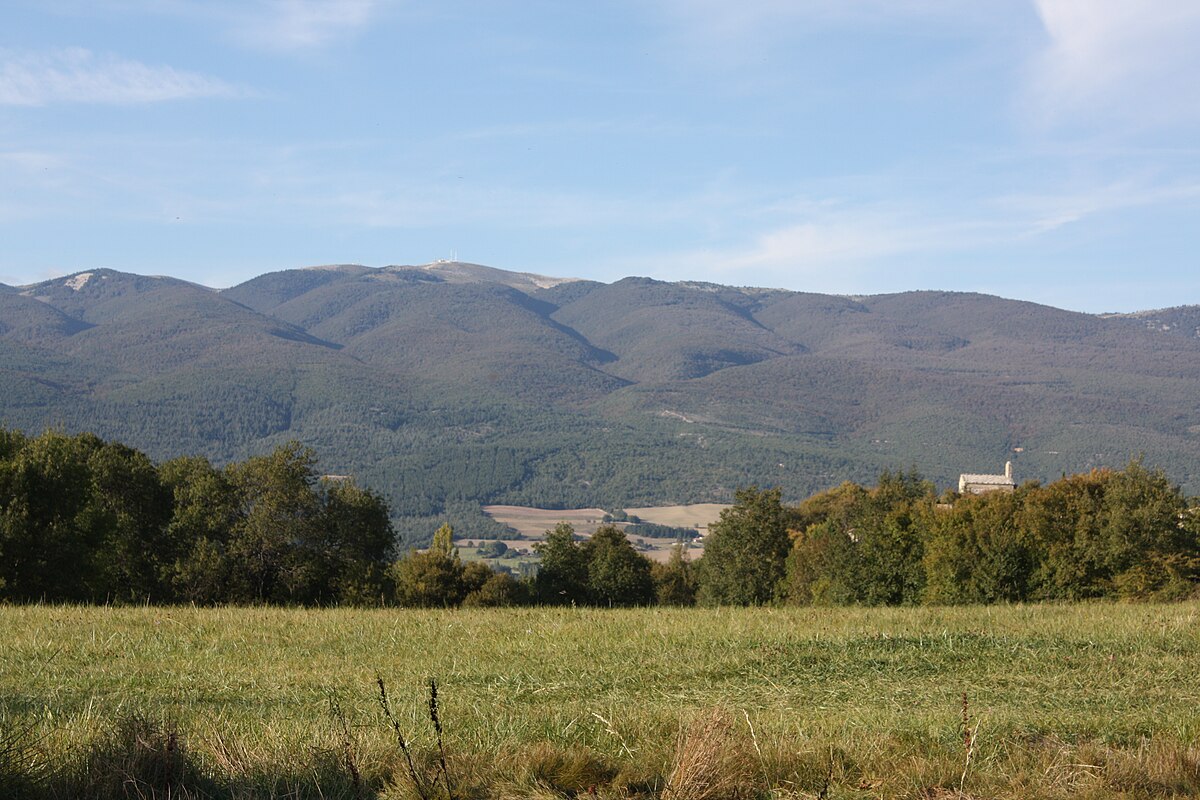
(978, 484)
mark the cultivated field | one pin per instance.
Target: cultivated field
(532, 524)
(1061, 701)
(698, 515)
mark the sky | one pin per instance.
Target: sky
(1045, 150)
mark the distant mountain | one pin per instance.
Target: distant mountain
(447, 385)
(28, 320)
(665, 332)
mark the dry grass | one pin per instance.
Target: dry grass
(711, 761)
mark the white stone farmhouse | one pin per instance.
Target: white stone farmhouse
(978, 484)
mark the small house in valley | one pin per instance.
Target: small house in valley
(978, 484)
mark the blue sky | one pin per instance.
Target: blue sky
(1045, 150)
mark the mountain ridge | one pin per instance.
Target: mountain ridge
(557, 281)
(448, 385)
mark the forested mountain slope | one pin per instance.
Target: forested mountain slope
(1179, 321)
(451, 384)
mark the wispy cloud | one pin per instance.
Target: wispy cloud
(76, 75)
(840, 249)
(723, 34)
(843, 238)
(1125, 59)
(223, 181)
(851, 245)
(272, 25)
(1049, 211)
(299, 24)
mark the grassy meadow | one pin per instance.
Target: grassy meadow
(1093, 700)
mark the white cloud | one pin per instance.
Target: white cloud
(275, 25)
(721, 33)
(1133, 60)
(833, 247)
(848, 246)
(1049, 211)
(76, 75)
(299, 24)
(845, 238)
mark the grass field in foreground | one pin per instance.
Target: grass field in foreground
(1073, 700)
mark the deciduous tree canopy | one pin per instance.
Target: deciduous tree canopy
(88, 520)
(85, 520)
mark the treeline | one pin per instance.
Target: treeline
(652, 530)
(1105, 534)
(86, 520)
(603, 569)
(1122, 534)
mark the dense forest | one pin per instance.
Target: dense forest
(87, 520)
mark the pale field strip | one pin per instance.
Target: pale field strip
(532, 523)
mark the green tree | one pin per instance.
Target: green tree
(975, 551)
(204, 512)
(278, 522)
(356, 545)
(617, 575)
(842, 504)
(745, 553)
(50, 525)
(862, 546)
(1111, 533)
(889, 560)
(432, 579)
(132, 508)
(822, 564)
(492, 549)
(1058, 520)
(11, 443)
(1149, 545)
(475, 575)
(562, 577)
(888, 543)
(675, 581)
(500, 590)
